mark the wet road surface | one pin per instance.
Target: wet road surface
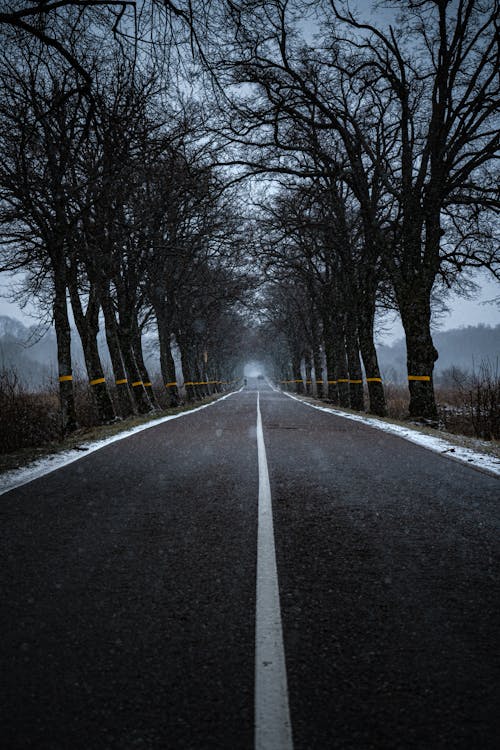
(129, 589)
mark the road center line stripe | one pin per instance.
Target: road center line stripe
(273, 729)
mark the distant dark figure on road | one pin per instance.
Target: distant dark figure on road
(244, 381)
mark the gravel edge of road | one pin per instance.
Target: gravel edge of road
(444, 444)
(75, 447)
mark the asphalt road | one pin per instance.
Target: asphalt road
(129, 589)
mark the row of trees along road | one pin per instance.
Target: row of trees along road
(384, 139)
(380, 140)
(109, 200)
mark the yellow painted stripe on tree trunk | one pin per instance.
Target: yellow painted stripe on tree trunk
(97, 381)
(425, 378)
(373, 380)
(65, 378)
(170, 385)
(137, 383)
(332, 382)
(121, 382)
(148, 385)
(342, 380)
(357, 382)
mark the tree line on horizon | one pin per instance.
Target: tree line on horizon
(369, 151)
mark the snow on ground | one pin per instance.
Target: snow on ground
(483, 461)
(17, 477)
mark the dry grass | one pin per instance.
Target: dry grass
(30, 422)
(468, 404)
(27, 419)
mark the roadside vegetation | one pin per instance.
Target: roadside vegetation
(173, 166)
(468, 403)
(31, 424)
(32, 427)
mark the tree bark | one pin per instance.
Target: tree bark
(63, 336)
(341, 371)
(421, 355)
(87, 324)
(356, 397)
(125, 401)
(303, 374)
(323, 365)
(141, 398)
(139, 358)
(166, 361)
(376, 394)
(179, 373)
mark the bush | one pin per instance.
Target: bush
(483, 401)
(468, 402)
(27, 419)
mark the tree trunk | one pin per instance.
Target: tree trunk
(314, 384)
(166, 361)
(324, 370)
(139, 358)
(331, 390)
(295, 386)
(125, 401)
(421, 354)
(303, 374)
(97, 381)
(63, 336)
(141, 398)
(88, 326)
(376, 392)
(340, 364)
(177, 358)
(356, 396)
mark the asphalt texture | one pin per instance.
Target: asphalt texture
(128, 589)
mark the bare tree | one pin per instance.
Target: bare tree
(415, 110)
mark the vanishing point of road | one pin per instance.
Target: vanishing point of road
(255, 574)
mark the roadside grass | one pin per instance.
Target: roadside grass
(30, 422)
(20, 457)
(397, 407)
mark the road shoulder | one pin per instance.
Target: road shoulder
(74, 447)
(456, 447)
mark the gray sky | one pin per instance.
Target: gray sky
(462, 313)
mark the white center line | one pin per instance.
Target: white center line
(273, 729)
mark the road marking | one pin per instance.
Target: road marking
(273, 729)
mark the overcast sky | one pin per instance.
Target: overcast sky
(462, 312)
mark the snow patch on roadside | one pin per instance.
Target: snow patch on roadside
(10, 480)
(482, 461)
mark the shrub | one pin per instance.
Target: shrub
(27, 419)
(483, 401)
